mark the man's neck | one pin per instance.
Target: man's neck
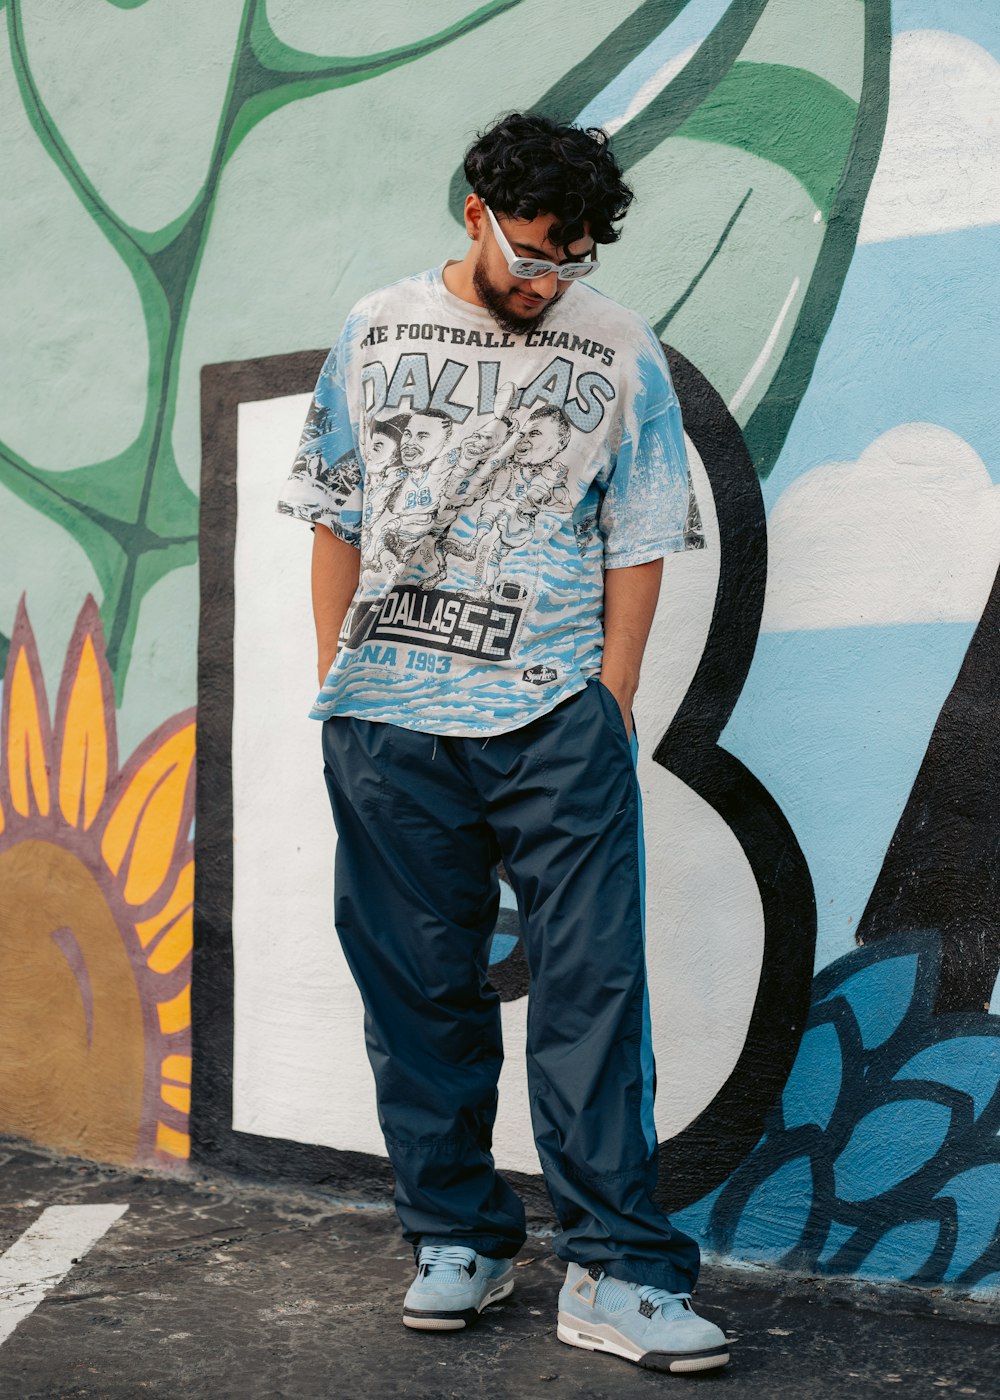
(458, 279)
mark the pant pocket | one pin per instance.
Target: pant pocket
(612, 710)
(354, 761)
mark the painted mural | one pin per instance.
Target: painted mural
(814, 239)
(96, 894)
(882, 1156)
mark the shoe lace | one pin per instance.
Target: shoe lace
(662, 1297)
(445, 1259)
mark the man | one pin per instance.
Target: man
(463, 726)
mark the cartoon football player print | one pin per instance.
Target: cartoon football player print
(496, 439)
(333, 485)
(447, 484)
(402, 510)
(384, 474)
(534, 482)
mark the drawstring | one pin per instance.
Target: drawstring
(435, 748)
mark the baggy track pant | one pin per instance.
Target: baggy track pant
(422, 821)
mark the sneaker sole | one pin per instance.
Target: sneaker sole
(601, 1337)
(454, 1321)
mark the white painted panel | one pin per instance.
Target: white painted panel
(300, 1068)
(704, 921)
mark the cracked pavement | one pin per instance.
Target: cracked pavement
(213, 1287)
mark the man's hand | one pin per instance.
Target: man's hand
(624, 693)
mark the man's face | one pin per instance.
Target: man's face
(424, 438)
(485, 440)
(540, 441)
(381, 448)
(517, 303)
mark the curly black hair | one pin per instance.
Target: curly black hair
(525, 165)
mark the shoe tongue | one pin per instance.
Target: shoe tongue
(448, 1265)
(443, 1272)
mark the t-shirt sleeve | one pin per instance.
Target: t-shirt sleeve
(648, 501)
(327, 478)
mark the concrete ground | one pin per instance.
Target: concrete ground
(208, 1287)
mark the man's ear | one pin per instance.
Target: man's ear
(474, 216)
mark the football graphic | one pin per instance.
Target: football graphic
(510, 591)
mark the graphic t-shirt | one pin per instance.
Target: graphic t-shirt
(488, 480)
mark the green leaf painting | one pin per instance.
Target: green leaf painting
(204, 183)
(753, 164)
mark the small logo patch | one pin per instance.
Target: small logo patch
(541, 675)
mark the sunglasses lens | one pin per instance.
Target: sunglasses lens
(569, 272)
(530, 268)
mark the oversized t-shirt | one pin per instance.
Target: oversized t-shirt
(488, 479)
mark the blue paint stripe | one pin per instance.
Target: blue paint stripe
(646, 1044)
(696, 20)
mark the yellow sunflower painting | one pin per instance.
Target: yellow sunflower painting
(96, 909)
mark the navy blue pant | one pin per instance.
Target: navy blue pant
(422, 821)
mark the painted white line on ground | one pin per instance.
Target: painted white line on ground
(44, 1255)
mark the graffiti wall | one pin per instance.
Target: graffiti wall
(817, 224)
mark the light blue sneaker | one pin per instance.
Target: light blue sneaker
(453, 1285)
(653, 1328)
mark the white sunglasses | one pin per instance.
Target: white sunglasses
(530, 268)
